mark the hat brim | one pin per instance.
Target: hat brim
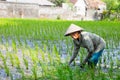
(72, 32)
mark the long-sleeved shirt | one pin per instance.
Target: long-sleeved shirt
(92, 42)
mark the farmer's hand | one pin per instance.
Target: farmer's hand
(82, 65)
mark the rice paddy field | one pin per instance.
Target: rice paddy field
(32, 49)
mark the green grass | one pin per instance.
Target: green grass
(42, 60)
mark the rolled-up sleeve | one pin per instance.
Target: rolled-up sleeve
(76, 49)
(75, 52)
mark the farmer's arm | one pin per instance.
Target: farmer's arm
(75, 52)
(87, 57)
(90, 50)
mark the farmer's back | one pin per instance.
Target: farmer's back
(92, 41)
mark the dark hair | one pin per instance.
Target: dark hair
(79, 31)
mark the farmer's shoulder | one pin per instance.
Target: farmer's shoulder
(85, 36)
(85, 33)
(90, 34)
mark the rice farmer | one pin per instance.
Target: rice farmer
(92, 42)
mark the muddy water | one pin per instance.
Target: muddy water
(109, 56)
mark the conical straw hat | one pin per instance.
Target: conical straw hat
(73, 28)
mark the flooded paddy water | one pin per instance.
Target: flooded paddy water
(110, 57)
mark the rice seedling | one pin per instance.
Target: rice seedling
(22, 74)
(34, 71)
(33, 56)
(11, 76)
(11, 59)
(25, 62)
(57, 55)
(6, 68)
(14, 46)
(17, 61)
